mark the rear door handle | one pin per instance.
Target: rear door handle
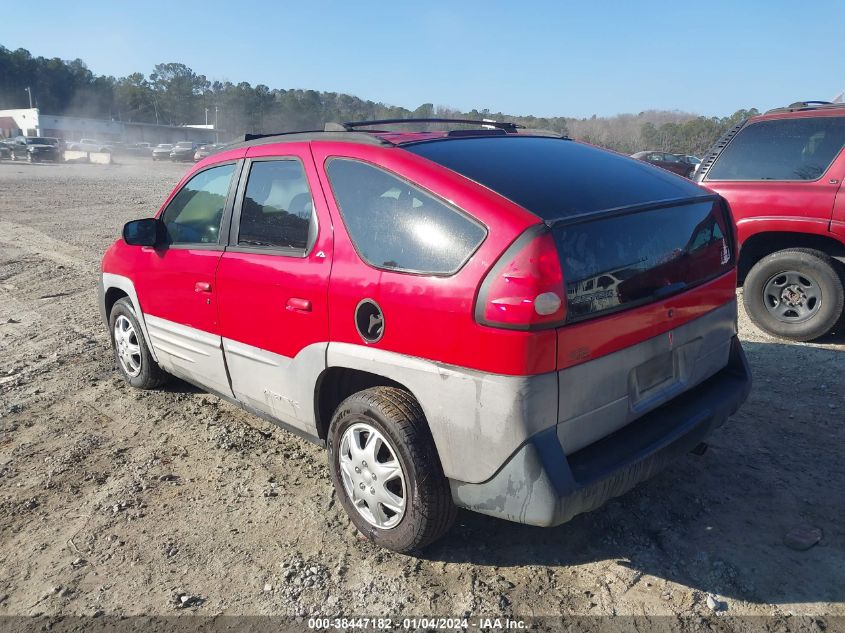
(296, 304)
(202, 286)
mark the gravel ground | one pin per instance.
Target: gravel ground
(126, 502)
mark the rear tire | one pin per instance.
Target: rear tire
(131, 352)
(796, 294)
(394, 418)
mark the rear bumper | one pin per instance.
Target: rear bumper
(540, 485)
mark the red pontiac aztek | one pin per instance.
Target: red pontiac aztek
(490, 318)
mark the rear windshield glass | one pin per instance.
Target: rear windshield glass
(555, 178)
(781, 149)
(624, 260)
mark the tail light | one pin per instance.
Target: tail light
(524, 290)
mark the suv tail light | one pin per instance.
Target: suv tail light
(524, 290)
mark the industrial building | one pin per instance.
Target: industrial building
(32, 122)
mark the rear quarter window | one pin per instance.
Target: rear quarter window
(398, 226)
(781, 149)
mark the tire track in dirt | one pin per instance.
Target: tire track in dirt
(33, 241)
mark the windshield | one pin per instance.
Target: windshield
(164, 146)
(184, 144)
(38, 140)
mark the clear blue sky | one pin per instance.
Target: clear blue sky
(544, 58)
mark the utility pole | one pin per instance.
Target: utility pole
(216, 132)
(29, 92)
(206, 117)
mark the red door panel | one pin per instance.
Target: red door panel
(275, 303)
(170, 285)
(837, 173)
(263, 296)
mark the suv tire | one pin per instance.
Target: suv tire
(796, 294)
(131, 352)
(390, 423)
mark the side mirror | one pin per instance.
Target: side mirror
(146, 232)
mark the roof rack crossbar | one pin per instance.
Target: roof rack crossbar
(254, 137)
(485, 123)
(800, 106)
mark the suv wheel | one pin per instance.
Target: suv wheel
(796, 294)
(130, 349)
(386, 471)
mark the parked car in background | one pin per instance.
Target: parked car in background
(782, 174)
(204, 151)
(471, 318)
(673, 162)
(183, 151)
(139, 149)
(5, 151)
(161, 151)
(35, 149)
(694, 162)
(89, 145)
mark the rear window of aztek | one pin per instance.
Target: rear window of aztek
(621, 261)
(555, 178)
(781, 149)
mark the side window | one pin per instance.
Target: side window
(398, 226)
(277, 210)
(195, 213)
(784, 149)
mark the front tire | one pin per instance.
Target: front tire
(386, 472)
(131, 351)
(796, 294)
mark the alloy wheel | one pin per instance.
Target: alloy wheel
(127, 345)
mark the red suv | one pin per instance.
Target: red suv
(782, 174)
(464, 318)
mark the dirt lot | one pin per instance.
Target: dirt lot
(119, 501)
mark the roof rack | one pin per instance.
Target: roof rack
(799, 106)
(250, 140)
(489, 124)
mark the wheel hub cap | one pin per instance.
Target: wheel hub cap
(372, 476)
(792, 297)
(127, 345)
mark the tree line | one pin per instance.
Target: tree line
(173, 94)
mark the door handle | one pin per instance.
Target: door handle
(298, 305)
(202, 286)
